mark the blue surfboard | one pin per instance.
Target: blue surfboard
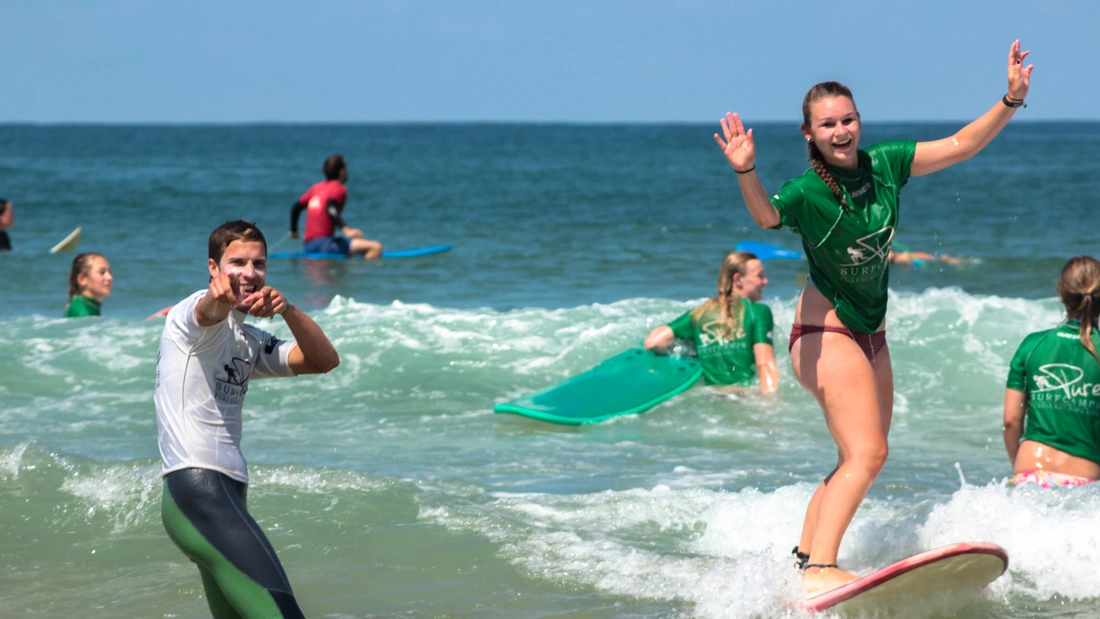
(399, 253)
(764, 251)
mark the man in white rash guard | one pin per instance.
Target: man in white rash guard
(207, 357)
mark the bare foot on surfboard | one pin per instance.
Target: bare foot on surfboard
(818, 580)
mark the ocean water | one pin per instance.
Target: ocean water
(391, 489)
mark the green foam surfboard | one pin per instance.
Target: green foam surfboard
(626, 384)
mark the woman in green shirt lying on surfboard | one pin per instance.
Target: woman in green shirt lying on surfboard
(732, 332)
(90, 282)
(845, 208)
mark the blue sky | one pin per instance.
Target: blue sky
(516, 60)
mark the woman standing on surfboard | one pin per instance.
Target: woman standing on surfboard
(90, 282)
(733, 331)
(1054, 383)
(845, 208)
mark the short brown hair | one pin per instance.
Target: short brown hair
(237, 230)
(332, 167)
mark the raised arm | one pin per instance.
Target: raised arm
(939, 154)
(221, 297)
(740, 150)
(314, 354)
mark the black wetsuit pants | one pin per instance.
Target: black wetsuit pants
(204, 513)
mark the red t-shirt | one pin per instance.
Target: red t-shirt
(318, 223)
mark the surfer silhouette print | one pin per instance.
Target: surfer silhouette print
(838, 340)
(1052, 395)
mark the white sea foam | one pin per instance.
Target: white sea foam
(124, 493)
(728, 553)
(1051, 535)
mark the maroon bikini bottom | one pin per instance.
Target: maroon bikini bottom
(869, 343)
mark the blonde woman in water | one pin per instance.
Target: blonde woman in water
(732, 332)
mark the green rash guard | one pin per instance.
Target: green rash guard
(1062, 381)
(848, 251)
(727, 362)
(81, 305)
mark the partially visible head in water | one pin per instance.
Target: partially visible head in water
(90, 276)
(1079, 288)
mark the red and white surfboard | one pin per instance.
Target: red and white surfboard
(958, 566)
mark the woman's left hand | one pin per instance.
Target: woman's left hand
(1019, 76)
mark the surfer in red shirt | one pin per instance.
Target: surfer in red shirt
(324, 207)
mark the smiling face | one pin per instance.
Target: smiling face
(834, 128)
(95, 282)
(751, 285)
(247, 260)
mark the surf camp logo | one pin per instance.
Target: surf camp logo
(868, 256)
(231, 383)
(711, 334)
(1065, 381)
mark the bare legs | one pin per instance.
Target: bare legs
(857, 398)
(368, 248)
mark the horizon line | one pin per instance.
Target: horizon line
(211, 123)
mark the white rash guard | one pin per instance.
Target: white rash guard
(202, 377)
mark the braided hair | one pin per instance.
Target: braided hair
(728, 302)
(824, 90)
(1079, 288)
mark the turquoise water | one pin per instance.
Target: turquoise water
(390, 488)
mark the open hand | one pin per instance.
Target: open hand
(738, 145)
(1019, 76)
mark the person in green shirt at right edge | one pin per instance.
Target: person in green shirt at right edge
(845, 208)
(732, 332)
(1054, 384)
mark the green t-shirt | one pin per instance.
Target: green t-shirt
(727, 361)
(82, 306)
(848, 251)
(1062, 382)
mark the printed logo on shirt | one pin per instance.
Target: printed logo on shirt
(270, 344)
(1061, 381)
(711, 335)
(315, 204)
(868, 256)
(862, 190)
(874, 246)
(231, 384)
